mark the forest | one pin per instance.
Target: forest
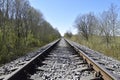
(100, 32)
(22, 29)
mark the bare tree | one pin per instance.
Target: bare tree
(113, 17)
(86, 25)
(109, 23)
(105, 28)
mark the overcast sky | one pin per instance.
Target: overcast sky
(61, 14)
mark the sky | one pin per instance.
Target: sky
(61, 14)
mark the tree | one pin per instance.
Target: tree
(22, 27)
(86, 25)
(68, 34)
(113, 17)
(109, 23)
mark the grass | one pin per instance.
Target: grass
(97, 43)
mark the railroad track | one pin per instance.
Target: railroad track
(60, 60)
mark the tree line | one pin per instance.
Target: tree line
(107, 24)
(99, 32)
(22, 27)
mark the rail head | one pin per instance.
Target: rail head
(106, 75)
(13, 74)
(97, 67)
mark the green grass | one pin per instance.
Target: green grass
(98, 44)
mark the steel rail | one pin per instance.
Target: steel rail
(97, 67)
(105, 75)
(16, 74)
